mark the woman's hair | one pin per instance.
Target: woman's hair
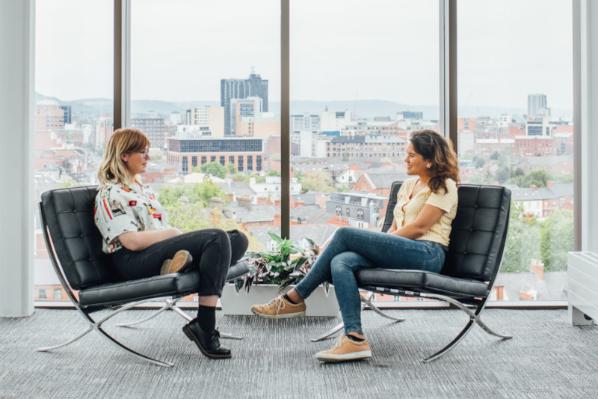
(126, 140)
(440, 153)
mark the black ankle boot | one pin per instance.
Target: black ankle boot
(207, 342)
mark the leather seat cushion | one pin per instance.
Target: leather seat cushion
(136, 290)
(418, 280)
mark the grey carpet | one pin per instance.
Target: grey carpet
(548, 358)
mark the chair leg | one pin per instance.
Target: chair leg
(97, 326)
(452, 344)
(118, 344)
(474, 317)
(368, 301)
(78, 337)
(167, 306)
(330, 333)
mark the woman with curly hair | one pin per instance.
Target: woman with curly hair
(418, 239)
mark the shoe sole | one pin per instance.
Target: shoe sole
(329, 358)
(279, 316)
(166, 268)
(189, 334)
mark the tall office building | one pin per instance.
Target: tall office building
(537, 106)
(67, 113)
(255, 86)
(154, 128)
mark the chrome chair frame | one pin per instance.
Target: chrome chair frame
(478, 303)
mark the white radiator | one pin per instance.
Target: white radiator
(582, 281)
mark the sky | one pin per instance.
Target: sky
(340, 49)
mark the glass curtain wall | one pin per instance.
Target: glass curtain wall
(73, 115)
(205, 84)
(515, 128)
(364, 75)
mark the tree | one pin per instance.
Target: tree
(317, 181)
(521, 246)
(230, 168)
(214, 169)
(200, 194)
(535, 178)
(502, 174)
(478, 162)
(557, 238)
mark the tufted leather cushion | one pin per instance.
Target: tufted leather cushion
(144, 288)
(69, 216)
(477, 241)
(422, 281)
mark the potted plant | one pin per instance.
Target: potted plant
(273, 272)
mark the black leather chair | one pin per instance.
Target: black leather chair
(477, 242)
(75, 248)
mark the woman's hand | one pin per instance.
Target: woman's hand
(140, 240)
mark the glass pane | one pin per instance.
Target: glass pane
(205, 84)
(364, 75)
(516, 129)
(74, 80)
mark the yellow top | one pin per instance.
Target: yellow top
(407, 209)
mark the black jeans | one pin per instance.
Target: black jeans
(213, 251)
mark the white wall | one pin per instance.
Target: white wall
(589, 124)
(16, 122)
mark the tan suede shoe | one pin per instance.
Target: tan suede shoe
(279, 308)
(345, 350)
(178, 263)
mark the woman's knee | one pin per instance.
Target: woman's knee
(342, 263)
(348, 261)
(238, 240)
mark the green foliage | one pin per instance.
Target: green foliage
(273, 173)
(522, 241)
(241, 177)
(317, 181)
(528, 238)
(200, 194)
(537, 178)
(214, 169)
(230, 168)
(286, 265)
(502, 174)
(557, 238)
(478, 162)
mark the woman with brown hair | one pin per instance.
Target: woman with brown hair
(141, 243)
(418, 239)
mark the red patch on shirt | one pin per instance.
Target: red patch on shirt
(132, 203)
(157, 216)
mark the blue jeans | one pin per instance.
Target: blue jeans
(353, 249)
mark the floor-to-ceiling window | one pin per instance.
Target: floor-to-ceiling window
(73, 114)
(515, 128)
(364, 75)
(205, 84)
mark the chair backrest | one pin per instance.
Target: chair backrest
(478, 234)
(68, 215)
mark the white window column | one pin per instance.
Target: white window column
(588, 119)
(16, 125)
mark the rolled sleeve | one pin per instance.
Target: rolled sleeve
(444, 200)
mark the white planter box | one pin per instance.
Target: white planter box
(239, 303)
